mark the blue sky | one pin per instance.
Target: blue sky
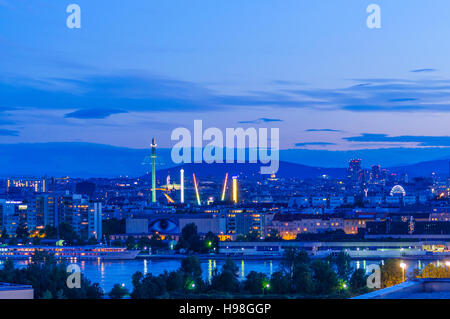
(141, 68)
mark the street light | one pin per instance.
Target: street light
(403, 267)
(447, 263)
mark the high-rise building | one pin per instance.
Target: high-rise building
(46, 207)
(9, 216)
(354, 169)
(95, 220)
(376, 172)
(84, 216)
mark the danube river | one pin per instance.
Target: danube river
(108, 273)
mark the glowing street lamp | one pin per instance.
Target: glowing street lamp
(447, 263)
(403, 267)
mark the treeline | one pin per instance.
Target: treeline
(48, 277)
(298, 277)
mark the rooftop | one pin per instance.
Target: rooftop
(414, 289)
(8, 287)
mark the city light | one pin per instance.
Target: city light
(403, 267)
(196, 190)
(224, 187)
(235, 190)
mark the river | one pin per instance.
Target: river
(108, 273)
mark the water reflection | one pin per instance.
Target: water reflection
(108, 273)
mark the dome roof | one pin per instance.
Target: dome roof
(398, 190)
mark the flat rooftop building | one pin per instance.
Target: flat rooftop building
(414, 289)
(13, 291)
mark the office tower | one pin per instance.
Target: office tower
(354, 169)
(46, 207)
(95, 220)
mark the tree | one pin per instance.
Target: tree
(190, 240)
(432, 271)
(391, 273)
(190, 266)
(144, 243)
(4, 234)
(175, 281)
(130, 242)
(292, 258)
(49, 232)
(48, 279)
(67, 233)
(22, 231)
(280, 283)
(227, 280)
(157, 243)
(358, 282)
(255, 282)
(118, 292)
(325, 279)
(273, 235)
(230, 266)
(149, 286)
(92, 241)
(343, 265)
(303, 279)
(36, 241)
(210, 242)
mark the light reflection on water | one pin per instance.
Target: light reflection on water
(108, 273)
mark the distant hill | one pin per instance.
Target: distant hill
(440, 167)
(98, 160)
(286, 170)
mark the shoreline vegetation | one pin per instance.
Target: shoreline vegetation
(298, 276)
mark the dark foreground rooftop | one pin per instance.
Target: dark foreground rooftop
(13, 291)
(414, 289)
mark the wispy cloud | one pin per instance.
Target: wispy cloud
(322, 130)
(314, 144)
(423, 70)
(420, 140)
(260, 120)
(6, 132)
(93, 113)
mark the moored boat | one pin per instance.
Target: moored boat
(69, 252)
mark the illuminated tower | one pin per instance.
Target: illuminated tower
(153, 170)
(235, 191)
(224, 187)
(197, 194)
(182, 185)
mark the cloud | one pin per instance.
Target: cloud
(93, 113)
(6, 132)
(314, 144)
(382, 95)
(420, 140)
(260, 120)
(322, 130)
(423, 70)
(130, 92)
(139, 92)
(405, 99)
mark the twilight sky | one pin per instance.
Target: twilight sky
(138, 69)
